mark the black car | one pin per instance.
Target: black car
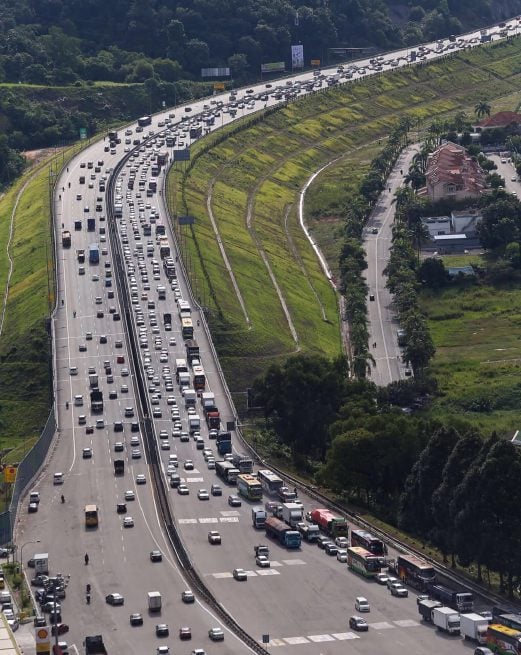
(136, 619)
(358, 623)
(156, 556)
(121, 508)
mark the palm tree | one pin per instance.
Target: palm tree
(482, 108)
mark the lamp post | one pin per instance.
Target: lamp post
(37, 541)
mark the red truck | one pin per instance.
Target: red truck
(331, 524)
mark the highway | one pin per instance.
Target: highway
(306, 597)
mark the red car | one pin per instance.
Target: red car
(60, 628)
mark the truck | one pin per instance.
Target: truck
(261, 549)
(167, 321)
(91, 224)
(332, 524)
(41, 563)
(180, 367)
(93, 380)
(258, 517)
(462, 601)
(227, 472)
(80, 254)
(94, 644)
(77, 225)
(224, 445)
(207, 400)
(213, 418)
(190, 397)
(161, 292)
(277, 529)
(94, 253)
(164, 248)
(242, 462)
(154, 601)
(425, 608)
(96, 401)
(119, 467)
(192, 350)
(194, 423)
(66, 239)
(292, 513)
(474, 627)
(169, 268)
(446, 620)
(183, 379)
(310, 532)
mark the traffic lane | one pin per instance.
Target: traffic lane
(507, 170)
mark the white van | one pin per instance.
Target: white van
(57, 478)
(362, 604)
(78, 401)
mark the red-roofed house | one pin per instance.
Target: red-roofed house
(501, 119)
(452, 173)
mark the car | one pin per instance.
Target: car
(362, 604)
(234, 501)
(187, 596)
(129, 495)
(381, 578)
(331, 549)
(183, 490)
(188, 465)
(482, 650)
(397, 589)
(162, 650)
(262, 561)
(114, 599)
(214, 537)
(240, 574)
(156, 556)
(342, 542)
(216, 634)
(87, 453)
(128, 522)
(119, 447)
(371, 297)
(118, 426)
(185, 633)
(40, 580)
(136, 453)
(162, 630)
(341, 555)
(141, 478)
(358, 623)
(374, 230)
(216, 490)
(136, 619)
(59, 629)
(203, 494)
(390, 580)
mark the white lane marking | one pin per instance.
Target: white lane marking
(320, 638)
(275, 564)
(229, 519)
(267, 572)
(342, 636)
(293, 562)
(208, 520)
(225, 574)
(195, 479)
(186, 521)
(406, 623)
(293, 641)
(275, 642)
(230, 513)
(381, 626)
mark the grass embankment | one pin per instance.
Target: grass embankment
(25, 396)
(266, 164)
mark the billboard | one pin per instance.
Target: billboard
(218, 86)
(10, 474)
(182, 155)
(215, 72)
(273, 67)
(297, 56)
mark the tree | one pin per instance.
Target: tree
(196, 55)
(167, 70)
(432, 273)
(238, 63)
(482, 108)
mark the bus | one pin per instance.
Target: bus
(271, 483)
(366, 540)
(144, 121)
(249, 487)
(199, 378)
(187, 328)
(503, 640)
(227, 471)
(415, 571)
(362, 561)
(91, 516)
(510, 620)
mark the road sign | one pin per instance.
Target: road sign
(218, 86)
(186, 220)
(315, 62)
(83, 133)
(182, 155)
(265, 639)
(10, 474)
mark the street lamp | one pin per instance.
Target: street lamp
(37, 541)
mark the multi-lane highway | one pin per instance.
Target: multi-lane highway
(306, 597)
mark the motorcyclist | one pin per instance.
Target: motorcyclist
(74, 313)
(67, 404)
(63, 498)
(86, 558)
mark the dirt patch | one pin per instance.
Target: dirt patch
(36, 156)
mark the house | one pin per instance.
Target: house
(452, 173)
(446, 244)
(501, 119)
(437, 225)
(466, 221)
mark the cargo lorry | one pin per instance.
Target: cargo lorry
(310, 531)
(190, 397)
(446, 620)
(332, 524)
(91, 224)
(154, 601)
(258, 517)
(194, 423)
(119, 467)
(292, 513)
(474, 627)
(425, 608)
(94, 644)
(96, 401)
(94, 253)
(192, 350)
(462, 601)
(277, 529)
(242, 462)
(66, 239)
(224, 445)
(167, 321)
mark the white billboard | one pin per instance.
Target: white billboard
(215, 72)
(297, 56)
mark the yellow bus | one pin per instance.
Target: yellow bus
(249, 486)
(91, 516)
(187, 328)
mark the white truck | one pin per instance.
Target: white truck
(194, 424)
(447, 620)
(473, 627)
(292, 513)
(184, 380)
(208, 399)
(41, 563)
(190, 397)
(154, 601)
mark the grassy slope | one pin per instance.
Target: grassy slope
(270, 161)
